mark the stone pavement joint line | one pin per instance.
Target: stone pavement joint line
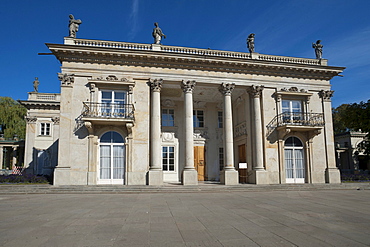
(335, 217)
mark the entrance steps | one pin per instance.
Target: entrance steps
(210, 187)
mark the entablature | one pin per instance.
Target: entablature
(121, 53)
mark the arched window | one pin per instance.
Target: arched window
(294, 160)
(112, 158)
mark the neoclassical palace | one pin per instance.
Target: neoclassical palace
(148, 114)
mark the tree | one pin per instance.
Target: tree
(12, 116)
(354, 117)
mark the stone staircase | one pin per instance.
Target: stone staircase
(206, 187)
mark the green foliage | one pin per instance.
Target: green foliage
(12, 115)
(354, 117)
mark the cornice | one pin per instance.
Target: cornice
(40, 104)
(151, 58)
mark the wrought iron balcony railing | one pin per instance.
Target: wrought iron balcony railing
(108, 110)
(297, 119)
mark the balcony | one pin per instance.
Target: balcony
(297, 121)
(108, 112)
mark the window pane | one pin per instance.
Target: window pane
(106, 95)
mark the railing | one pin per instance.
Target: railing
(108, 110)
(297, 119)
(196, 51)
(43, 96)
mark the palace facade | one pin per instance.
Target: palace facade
(147, 114)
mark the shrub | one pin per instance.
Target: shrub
(355, 177)
(26, 178)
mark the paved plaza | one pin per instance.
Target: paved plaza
(267, 218)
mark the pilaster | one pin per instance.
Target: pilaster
(332, 174)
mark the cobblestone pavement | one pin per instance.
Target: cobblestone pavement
(271, 218)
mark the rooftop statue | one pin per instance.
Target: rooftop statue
(250, 42)
(73, 26)
(318, 49)
(157, 34)
(36, 84)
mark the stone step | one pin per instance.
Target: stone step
(171, 188)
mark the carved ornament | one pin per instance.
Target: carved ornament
(188, 86)
(227, 88)
(31, 120)
(168, 103)
(255, 91)
(326, 95)
(241, 129)
(55, 120)
(66, 80)
(155, 84)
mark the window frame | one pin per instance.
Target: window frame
(168, 158)
(165, 122)
(45, 129)
(196, 122)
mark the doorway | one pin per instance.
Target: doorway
(199, 162)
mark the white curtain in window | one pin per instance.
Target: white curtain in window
(289, 162)
(118, 161)
(105, 162)
(298, 154)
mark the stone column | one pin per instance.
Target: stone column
(155, 176)
(189, 174)
(228, 176)
(14, 157)
(332, 174)
(1, 157)
(259, 175)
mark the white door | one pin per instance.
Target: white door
(111, 159)
(294, 161)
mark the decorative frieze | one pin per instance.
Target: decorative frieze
(155, 84)
(241, 129)
(168, 103)
(326, 95)
(168, 137)
(294, 90)
(188, 86)
(66, 80)
(255, 91)
(30, 120)
(226, 88)
(55, 120)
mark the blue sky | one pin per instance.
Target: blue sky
(286, 27)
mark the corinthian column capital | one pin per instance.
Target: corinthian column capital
(255, 91)
(326, 95)
(187, 86)
(226, 88)
(155, 84)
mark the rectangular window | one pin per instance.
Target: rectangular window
(221, 158)
(198, 119)
(45, 129)
(292, 111)
(168, 158)
(113, 103)
(168, 117)
(220, 119)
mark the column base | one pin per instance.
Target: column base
(229, 177)
(258, 177)
(155, 177)
(190, 177)
(332, 176)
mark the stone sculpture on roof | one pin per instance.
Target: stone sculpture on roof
(73, 26)
(157, 34)
(36, 84)
(250, 42)
(318, 49)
